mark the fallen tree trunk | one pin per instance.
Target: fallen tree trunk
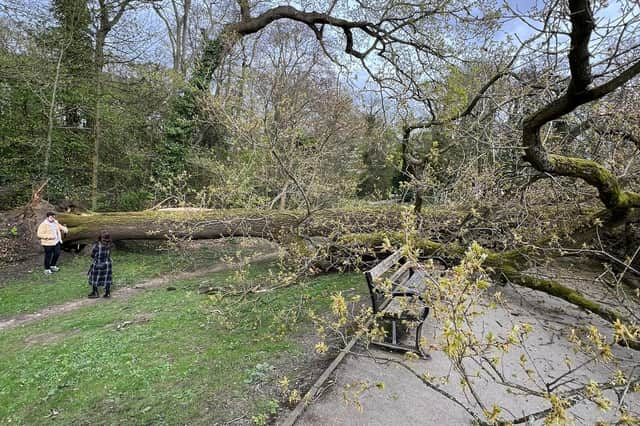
(350, 229)
(211, 224)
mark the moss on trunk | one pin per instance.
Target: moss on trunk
(609, 191)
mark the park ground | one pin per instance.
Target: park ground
(160, 351)
(207, 335)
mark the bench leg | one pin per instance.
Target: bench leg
(418, 338)
(393, 334)
(391, 341)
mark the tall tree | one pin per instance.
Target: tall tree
(71, 38)
(617, 64)
(177, 24)
(107, 15)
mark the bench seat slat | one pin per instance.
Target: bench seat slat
(407, 311)
(398, 275)
(415, 284)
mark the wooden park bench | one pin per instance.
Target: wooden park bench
(396, 286)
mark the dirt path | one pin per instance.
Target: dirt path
(125, 293)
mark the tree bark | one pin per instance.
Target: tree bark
(210, 224)
(579, 93)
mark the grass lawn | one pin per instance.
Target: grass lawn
(33, 290)
(160, 357)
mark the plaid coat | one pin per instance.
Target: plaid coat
(100, 277)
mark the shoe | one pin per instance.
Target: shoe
(107, 295)
(48, 272)
(55, 268)
(94, 293)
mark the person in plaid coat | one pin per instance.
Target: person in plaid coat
(99, 273)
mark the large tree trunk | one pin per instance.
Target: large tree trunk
(349, 231)
(580, 91)
(208, 224)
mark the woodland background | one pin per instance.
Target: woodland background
(104, 100)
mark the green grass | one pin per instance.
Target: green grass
(34, 291)
(161, 357)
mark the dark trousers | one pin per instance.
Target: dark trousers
(51, 254)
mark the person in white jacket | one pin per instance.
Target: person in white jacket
(50, 234)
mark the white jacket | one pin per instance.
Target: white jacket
(46, 234)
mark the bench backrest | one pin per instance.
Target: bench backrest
(394, 268)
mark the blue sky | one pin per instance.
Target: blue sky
(516, 26)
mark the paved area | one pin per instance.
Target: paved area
(372, 388)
